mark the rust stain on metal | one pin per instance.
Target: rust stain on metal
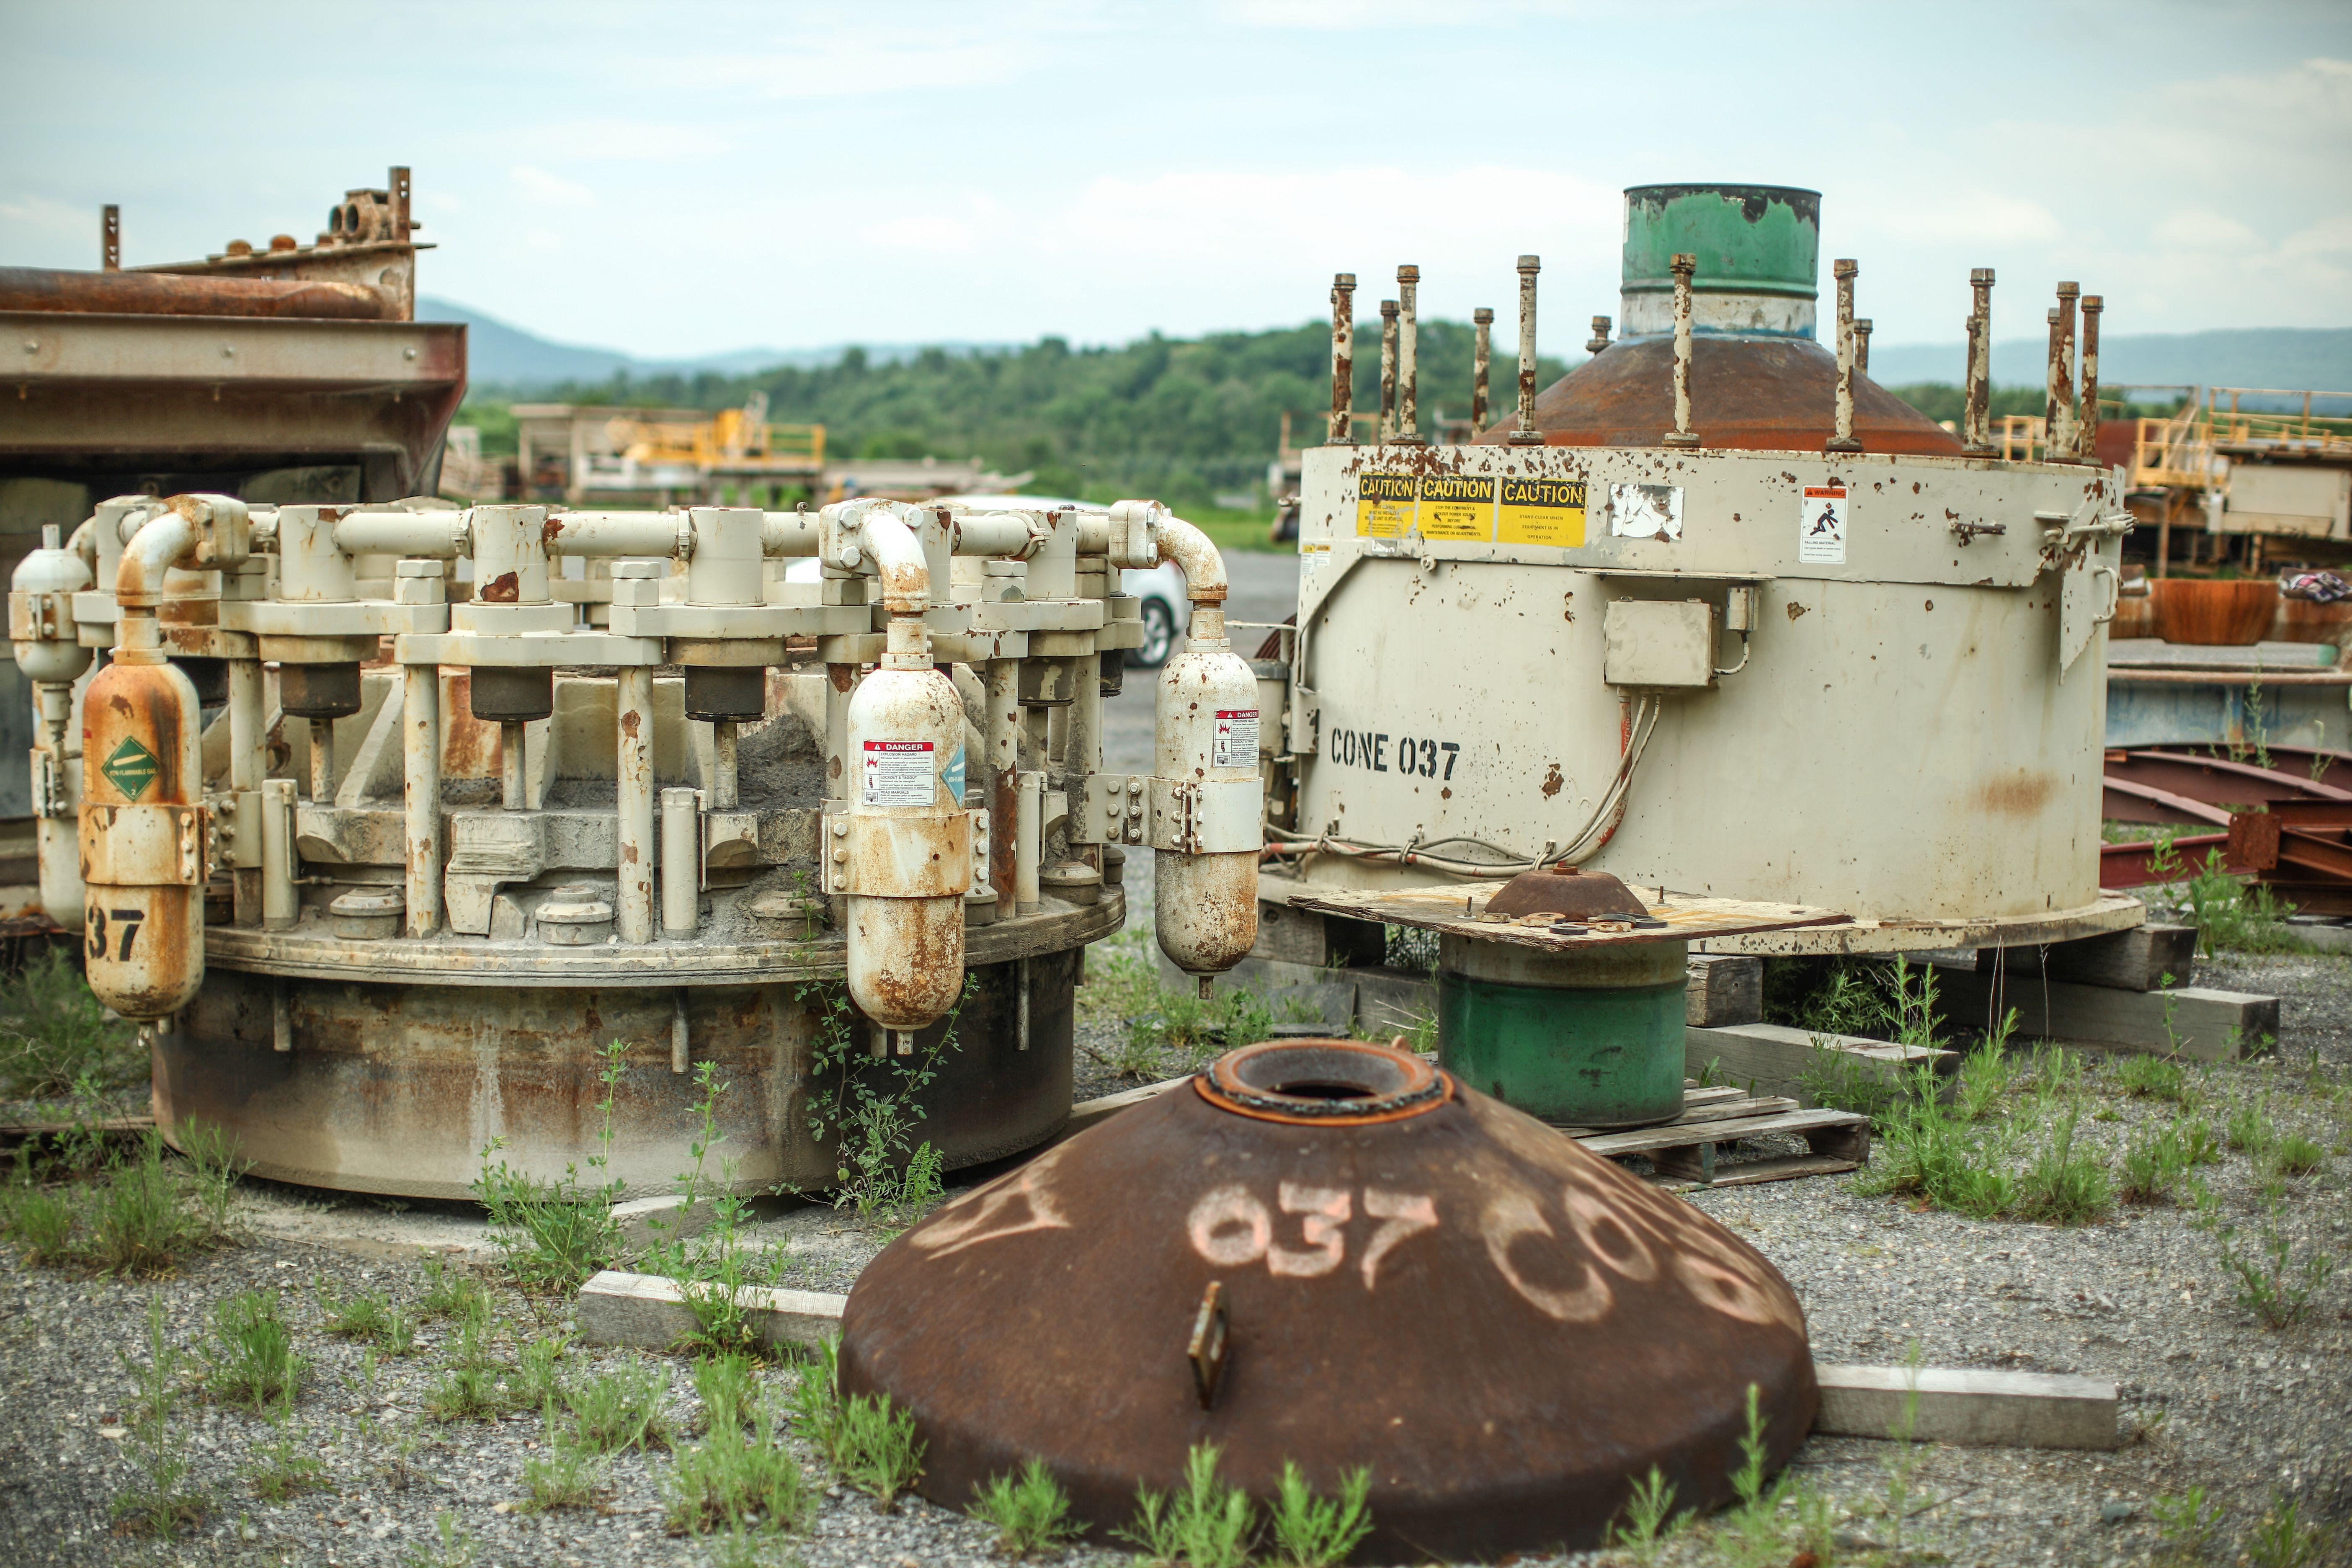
(501, 589)
(1545, 1325)
(2021, 795)
(1552, 781)
(1795, 609)
(842, 676)
(630, 722)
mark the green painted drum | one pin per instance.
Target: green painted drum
(1583, 1042)
(1758, 250)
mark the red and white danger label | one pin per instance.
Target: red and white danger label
(1236, 739)
(899, 773)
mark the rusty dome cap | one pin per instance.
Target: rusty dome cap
(1774, 394)
(1504, 1330)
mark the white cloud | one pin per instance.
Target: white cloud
(2200, 228)
(550, 190)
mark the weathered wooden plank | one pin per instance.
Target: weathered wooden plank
(2015, 1409)
(2189, 1021)
(1780, 1168)
(650, 1310)
(1772, 1059)
(1792, 1123)
(1093, 1112)
(2146, 958)
(1724, 989)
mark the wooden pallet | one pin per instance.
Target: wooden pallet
(1683, 1151)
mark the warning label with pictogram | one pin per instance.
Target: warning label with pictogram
(131, 768)
(1821, 531)
(1236, 740)
(899, 773)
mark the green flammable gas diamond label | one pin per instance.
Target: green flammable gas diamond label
(131, 768)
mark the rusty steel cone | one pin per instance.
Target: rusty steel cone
(1332, 1253)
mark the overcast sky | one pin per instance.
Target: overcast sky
(690, 178)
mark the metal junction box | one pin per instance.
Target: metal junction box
(1658, 643)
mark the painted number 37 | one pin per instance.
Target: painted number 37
(1232, 1228)
(125, 921)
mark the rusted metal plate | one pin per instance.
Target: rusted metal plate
(162, 294)
(1778, 394)
(1455, 910)
(1504, 1330)
(397, 1088)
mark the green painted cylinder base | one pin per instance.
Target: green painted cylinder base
(1574, 1055)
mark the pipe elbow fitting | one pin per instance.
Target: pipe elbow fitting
(1194, 555)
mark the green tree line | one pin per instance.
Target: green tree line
(1176, 418)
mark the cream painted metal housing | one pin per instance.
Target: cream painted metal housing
(1911, 731)
(412, 900)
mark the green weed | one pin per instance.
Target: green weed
(2296, 1155)
(1208, 1524)
(1030, 1511)
(563, 1477)
(874, 1448)
(56, 1037)
(725, 1385)
(2065, 1184)
(2284, 1540)
(1647, 1520)
(1839, 1080)
(1311, 1531)
(611, 1412)
(736, 1479)
(2154, 1077)
(162, 1502)
(250, 1360)
(371, 1317)
(139, 1217)
(1902, 1462)
(452, 1293)
(2250, 1130)
(553, 1235)
(2154, 1162)
(282, 1471)
(2271, 1282)
(2187, 1522)
(453, 1547)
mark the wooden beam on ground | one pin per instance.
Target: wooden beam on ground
(2189, 1021)
(651, 1311)
(1724, 989)
(2011, 1409)
(1094, 1112)
(2145, 958)
(1772, 1059)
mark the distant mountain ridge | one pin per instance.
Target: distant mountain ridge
(510, 357)
(2287, 358)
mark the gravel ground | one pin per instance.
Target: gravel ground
(2210, 1397)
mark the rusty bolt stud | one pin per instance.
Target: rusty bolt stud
(110, 237)
(1862, 345)
(2086, 439)
(1388, 369)
(1525, 434)
(1343, 431)
(1600, 339)
(1482, 359)
(1408, 356)
(2059, 427)
(1684, 265)
(1844, 441)
(1976, 440)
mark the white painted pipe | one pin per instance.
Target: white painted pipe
(280, 904)
(724, 769)
(1028, 841)
(681, 862)
(634, 724)
(513, 749)
(680, 1052)
(420, 756)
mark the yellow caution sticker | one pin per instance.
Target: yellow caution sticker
(1457, 506)
(1543, 511)
(1384, 505)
